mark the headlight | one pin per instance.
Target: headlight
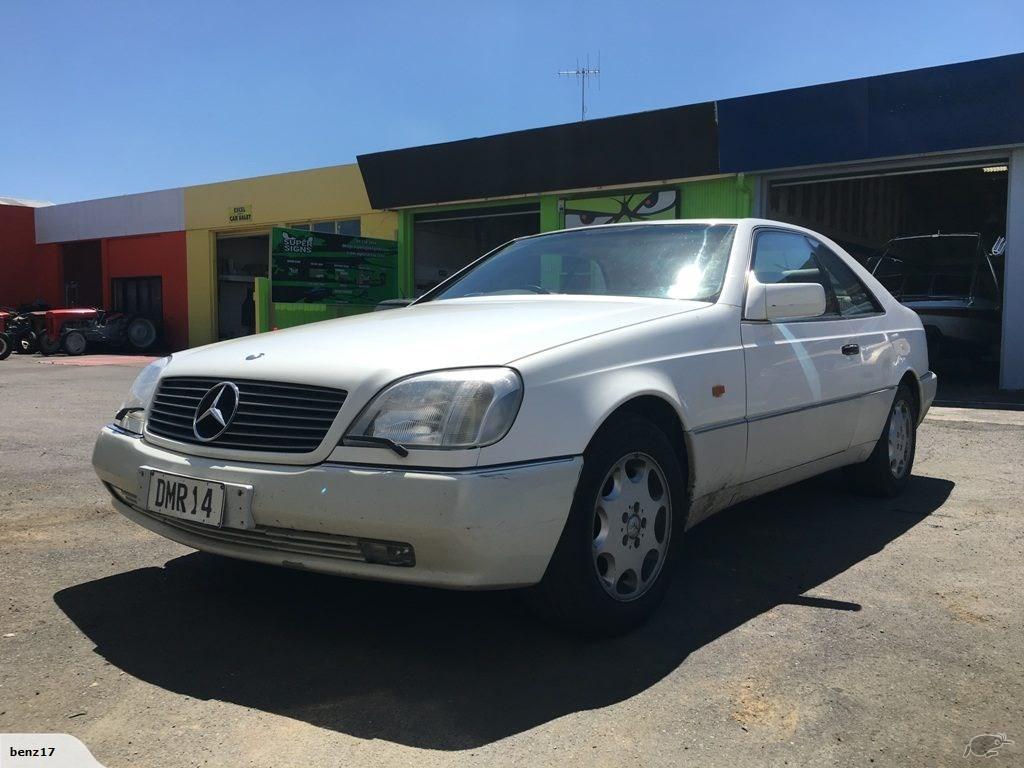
(464, 408)
(129, 415)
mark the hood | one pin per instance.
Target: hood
(382, 346)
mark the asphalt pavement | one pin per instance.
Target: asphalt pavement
(811, 627)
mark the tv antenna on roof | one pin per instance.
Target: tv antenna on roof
(582, 75)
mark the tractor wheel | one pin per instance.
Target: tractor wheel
(48, 346)
(141, 333)
(74, 342)
(6, 347)
(27, 344)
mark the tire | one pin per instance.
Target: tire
(141, 333)
(6, 346)
(27, 344)
(887, 470)
(74, 343)
(47, 346)
(588, 587)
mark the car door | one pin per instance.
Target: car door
(803, 374)
(864, 320)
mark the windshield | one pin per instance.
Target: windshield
(663, 261)
(927, 266)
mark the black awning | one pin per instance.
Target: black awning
(662, 144)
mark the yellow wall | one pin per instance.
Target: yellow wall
(320, 194)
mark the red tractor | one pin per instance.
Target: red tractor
(74, 329)
(6, 345)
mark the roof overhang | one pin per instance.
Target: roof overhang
(681, 142)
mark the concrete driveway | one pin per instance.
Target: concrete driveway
(809, 627)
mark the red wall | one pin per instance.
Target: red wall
(27, 271)
(160, 255)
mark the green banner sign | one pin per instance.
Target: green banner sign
(317, 268)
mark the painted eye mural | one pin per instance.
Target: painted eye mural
(641, 206)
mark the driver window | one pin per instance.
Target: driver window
(852, 295)
(787, 257)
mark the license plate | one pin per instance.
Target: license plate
(197, 500)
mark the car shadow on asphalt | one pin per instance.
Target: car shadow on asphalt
(450, 670)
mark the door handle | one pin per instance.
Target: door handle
(851, 349)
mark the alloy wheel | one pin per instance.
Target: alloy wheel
(632, 526)
(900, 436)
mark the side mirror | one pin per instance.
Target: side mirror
(774, 301)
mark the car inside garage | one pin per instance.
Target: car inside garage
(935, 236)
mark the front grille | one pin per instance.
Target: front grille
(289, 541)
(280, 418)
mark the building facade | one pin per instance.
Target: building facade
(873, 163)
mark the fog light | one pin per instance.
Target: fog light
(388, 553)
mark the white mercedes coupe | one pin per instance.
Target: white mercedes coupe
(554, 416)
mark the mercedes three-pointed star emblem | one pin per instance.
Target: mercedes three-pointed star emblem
(215, 411)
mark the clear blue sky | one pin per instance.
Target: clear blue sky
(104, 98)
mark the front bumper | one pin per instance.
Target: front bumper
(470, 529)
(929, 384)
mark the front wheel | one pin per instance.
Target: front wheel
(27, 344)
(141, 334)
(6, 347)
(613, 562)
(74, 343)
(48, 346)
(887, 470)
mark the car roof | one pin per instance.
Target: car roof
(664, 222)
(935, 235)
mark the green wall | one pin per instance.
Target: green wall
(281, 315)
(550, 214)
(728, 197)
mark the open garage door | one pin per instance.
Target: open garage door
(240, 260)
(935, 237)
(446, 241)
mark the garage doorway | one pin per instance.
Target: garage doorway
(935, 237)
(240, 260)
(140, 296)
(83, 274)
(445, 242)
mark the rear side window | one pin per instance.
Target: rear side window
(788, 257)
(852, 295)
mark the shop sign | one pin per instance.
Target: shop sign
(240, 213)
(319, 268)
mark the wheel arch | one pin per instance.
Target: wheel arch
(660, 410)
(914, 385)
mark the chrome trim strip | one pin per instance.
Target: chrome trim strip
(718, 425)
(488, 469)
(786, 411)
(834, 401)
(122, 431)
